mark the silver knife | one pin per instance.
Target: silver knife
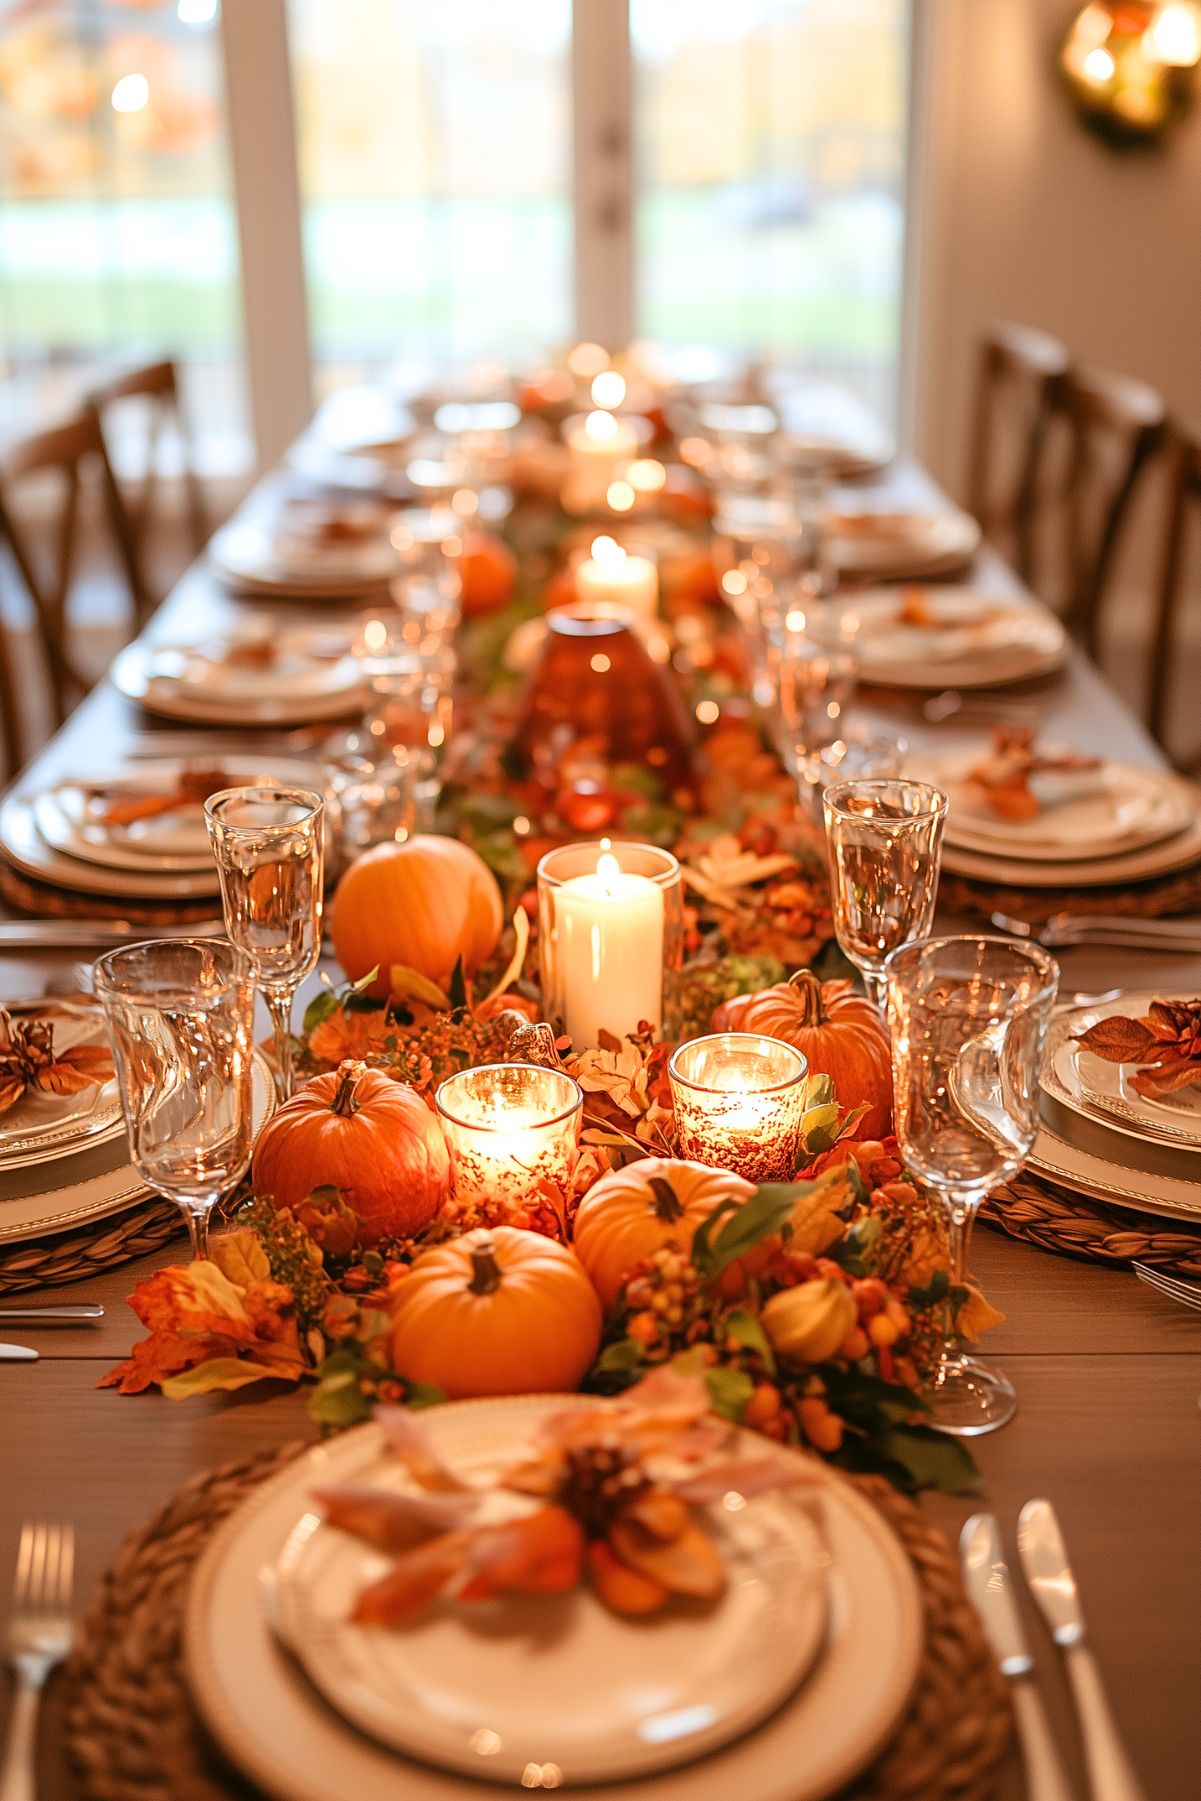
(70, 934)
(986, 1577)
(73, 1313)
(1045, 1561)
(17, 1353)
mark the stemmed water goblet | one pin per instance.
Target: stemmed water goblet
(885, 844)
(968, 1018)
(269, 846)
(181, 1017)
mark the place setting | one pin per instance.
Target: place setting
(308, 550)
(950, 636)
(1035, 814)
(264, 673)
(879, 543)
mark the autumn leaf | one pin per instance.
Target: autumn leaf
(1156, 1082)
(1118, 1040)
(976, 1315)
(241, 1258)
(83, 1066)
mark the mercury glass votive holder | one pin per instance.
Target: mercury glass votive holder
(512, 1131)
(739, 1101)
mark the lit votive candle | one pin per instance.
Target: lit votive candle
(598, 445)
(611, 579)
(610, 925)
(512, 1131)
(739, 1100)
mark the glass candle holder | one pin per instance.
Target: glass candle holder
(739, 1101)
(610, 938)
(512, 1131)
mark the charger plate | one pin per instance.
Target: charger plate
(94, 1183)
(567, 1682)
(266, 1718)
(134, 673)
(1088, 1171)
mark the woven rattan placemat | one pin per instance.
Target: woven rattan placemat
(42, 901)
(74, 1256)
(133, 1734)
(1162, 898)
(1077, 1226)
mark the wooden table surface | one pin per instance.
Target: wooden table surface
(1108, 1373)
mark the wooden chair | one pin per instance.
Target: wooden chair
(1114, 427)
(1019, 381)
(157, 387)
(64, 451)
(1184, 504)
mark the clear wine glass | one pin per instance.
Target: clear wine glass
(181, 1016)
(813, 665)
(269, 844)
(885, 845)
(969, 1020)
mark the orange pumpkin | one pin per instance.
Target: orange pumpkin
(839, 1031)
(488, 573)
(424, 903)
(633, 1212)
(496, 1312)
(371, 1138)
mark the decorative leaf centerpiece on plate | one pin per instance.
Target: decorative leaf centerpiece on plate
(617, 1483)
(29, 1059)
(1166, 1042)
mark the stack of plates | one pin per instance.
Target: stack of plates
(306, 674)
(782, 1690)
(965, 639)
(1101, 1137)
(66, 836)
(828, 426)
(910, 545)
(1131, 825)
(254, 558)
(64, 1159)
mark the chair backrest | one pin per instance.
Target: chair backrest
(1019, 379)
(1183, 505)
(157, 385)
(64, 450)
(1114, 426)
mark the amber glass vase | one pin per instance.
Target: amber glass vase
(596, 687)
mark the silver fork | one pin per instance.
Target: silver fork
(39, 1637)
(1187, 1293)
(1062, 930)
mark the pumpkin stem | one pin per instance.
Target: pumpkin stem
(485, 1270)
(667, 1205)
(809, 990)
(344, 1103)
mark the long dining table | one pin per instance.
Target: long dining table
(1108, 1373)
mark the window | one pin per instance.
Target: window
(116, 226)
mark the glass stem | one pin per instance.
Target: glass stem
(960, 1218)
(876, 983)
(279, 1006)
(198, 1229)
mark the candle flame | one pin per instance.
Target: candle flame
(600, 427)
(608, 551)
(607, 866)
(609, 389)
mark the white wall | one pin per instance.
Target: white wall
(1026, 216)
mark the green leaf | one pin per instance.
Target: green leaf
(338, 1400)
(458, 985)
(745, 1330)
(729, 1391)
(734, 1227)
(819, 1129)
(930, 1459)
(936, 1289)
(323, 1006)
(423, 1394)
(623, 1354)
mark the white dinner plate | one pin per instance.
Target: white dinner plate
(262, 1710)
(1112, 870)
(976, 640)
(198, 685)
(674, 1688)
(92, 1183)
(901, 545)
(1129, 808)
(40, 1128)
(1100, 1089)
(246, 556)
(43, 837)
(1096, 1171)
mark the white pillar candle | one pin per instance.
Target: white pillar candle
(598, 446)
(609, 950)
(611, 578)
